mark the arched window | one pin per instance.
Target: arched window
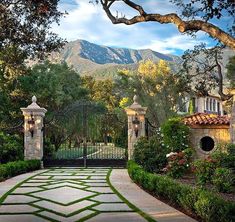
(207, 104)
(214, 105)
(210, 108)
(218, 108)
(207, 143)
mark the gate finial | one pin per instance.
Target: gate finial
(135, 98)
(34, 99)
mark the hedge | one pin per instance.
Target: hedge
(12, 169)
(202, 203)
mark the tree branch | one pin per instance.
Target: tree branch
(183, 26)
(220, 81)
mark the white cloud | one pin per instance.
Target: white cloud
(171, 44)
(89, 22)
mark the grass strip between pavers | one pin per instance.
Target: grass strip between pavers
(96, 203)
(133, 207)
(4, 196)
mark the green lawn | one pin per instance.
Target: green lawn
(93, 152)
(73, 153)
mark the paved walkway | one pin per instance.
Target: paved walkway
(77, 194)
(158, 210)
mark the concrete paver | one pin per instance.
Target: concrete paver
(74, 194)
(158, 210)
(63, 195)
(120, 217)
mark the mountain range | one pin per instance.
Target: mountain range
(103, 62)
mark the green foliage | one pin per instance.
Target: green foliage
(28, 26)
(208, 206)
(212, 208)
(204, 170)
(102, 91)
(223, 179)
(191, 108)
(150, 154)
(55, 85)
(231, 149)
(12, 169)
(175, 135)
(11, 148)
(225, 155)
(153, 83)
(120, 139)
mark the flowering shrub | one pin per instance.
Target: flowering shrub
(178, 164)
(204, 170)
(175, 135)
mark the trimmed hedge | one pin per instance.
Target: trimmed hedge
(206, 205)
(12, 169)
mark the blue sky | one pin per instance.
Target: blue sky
(89, 22)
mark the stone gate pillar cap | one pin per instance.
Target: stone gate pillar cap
(34, 107)
(34, 104)
(136, 107)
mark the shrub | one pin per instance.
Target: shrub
(225, 159)
(150, 154)
(11, 148)
(175, 134)
(203, 203)
(178, 164)
(18, 167)
(223, 179)
(204, 170)
(188, 197)
(212, 208)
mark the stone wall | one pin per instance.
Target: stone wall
(220, 134)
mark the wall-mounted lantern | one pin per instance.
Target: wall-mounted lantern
(136, 125)
(31, 123)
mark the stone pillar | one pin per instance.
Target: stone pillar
(133, 111)
(33, 130)
(232, 119)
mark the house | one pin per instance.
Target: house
(207, 131)
(207, 104)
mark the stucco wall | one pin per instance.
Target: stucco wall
(219, 135)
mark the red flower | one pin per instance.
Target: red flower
(182, 162)
(193, 169)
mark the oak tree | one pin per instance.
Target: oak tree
(196, 15)
(27, 24)
(203, 70)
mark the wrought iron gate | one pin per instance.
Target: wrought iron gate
(100, 140)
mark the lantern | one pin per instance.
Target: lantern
(136, 125)
(31, 123)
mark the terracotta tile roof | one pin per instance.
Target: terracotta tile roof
(206, 119)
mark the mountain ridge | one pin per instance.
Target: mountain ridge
(103, 61)
(91, 59)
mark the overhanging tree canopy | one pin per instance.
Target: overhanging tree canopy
(26, 25)
(187, 21)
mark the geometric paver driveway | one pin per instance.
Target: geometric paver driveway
(67, 195)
